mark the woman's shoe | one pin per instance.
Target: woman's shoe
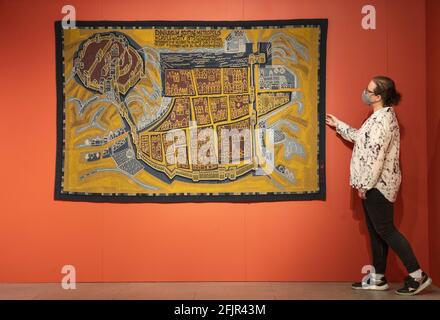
(371, 284)
(414, 286)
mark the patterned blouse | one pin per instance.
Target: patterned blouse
(375, 159)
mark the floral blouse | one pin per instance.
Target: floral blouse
(375, 158)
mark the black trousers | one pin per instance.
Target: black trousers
(379, 216)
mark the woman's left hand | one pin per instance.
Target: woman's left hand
(331, 120)
(362, 194)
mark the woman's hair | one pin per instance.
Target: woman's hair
(386, 88)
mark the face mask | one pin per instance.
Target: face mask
(366, 97)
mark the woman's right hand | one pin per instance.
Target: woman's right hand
(331, 120)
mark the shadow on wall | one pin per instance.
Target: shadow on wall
(434, 203)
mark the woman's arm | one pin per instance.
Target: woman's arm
(346, 132)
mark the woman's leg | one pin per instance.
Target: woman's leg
(381, 213)
(379, 247)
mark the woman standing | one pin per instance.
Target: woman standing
(375, 173)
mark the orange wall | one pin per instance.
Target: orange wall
(433, 54)
(315, 240)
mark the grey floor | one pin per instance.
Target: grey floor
(204, 290)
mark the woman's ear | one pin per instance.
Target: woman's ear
(379, 98)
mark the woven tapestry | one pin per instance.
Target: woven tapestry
(171, 111)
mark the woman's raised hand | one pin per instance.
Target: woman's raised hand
(331, 120)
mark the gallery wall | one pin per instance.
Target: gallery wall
(283, 241)
(433, 103)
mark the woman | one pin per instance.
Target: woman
(375, 173)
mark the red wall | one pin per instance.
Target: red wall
(320, 241)
(433, 54)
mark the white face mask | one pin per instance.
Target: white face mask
(366, 97)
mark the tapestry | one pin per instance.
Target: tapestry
(172, 111)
